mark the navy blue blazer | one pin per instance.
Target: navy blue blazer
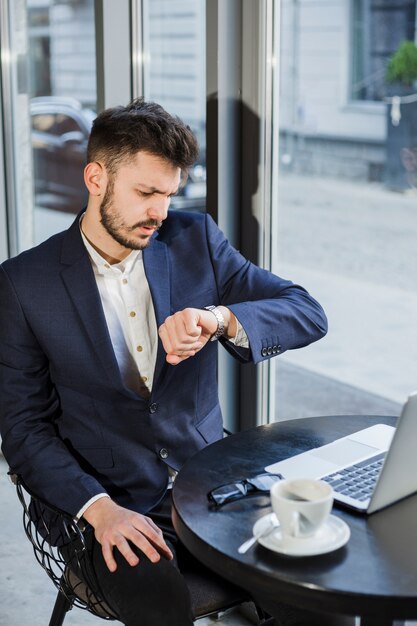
(69, 425)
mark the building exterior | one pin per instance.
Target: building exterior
(333, 117)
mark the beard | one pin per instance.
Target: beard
(118, 229)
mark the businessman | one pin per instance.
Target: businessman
(108, 353)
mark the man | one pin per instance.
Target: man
(108, 353)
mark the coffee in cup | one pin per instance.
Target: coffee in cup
(302, 506)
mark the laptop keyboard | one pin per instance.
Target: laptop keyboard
(357, 481)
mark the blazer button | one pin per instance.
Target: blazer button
(153, 407)
(163, 453)
(269, 351)
(264, 352)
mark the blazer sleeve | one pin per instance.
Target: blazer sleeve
(29, 406)
(276, 314)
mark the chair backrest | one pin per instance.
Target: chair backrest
(51, 532)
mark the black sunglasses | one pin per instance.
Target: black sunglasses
(242, 488)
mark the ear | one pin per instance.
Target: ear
(95, 178)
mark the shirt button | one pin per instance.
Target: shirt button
(139, 348)
(107, 266)
(132, 314)
(163, 453)
(144, 379)
(124, 281)
(153, 407)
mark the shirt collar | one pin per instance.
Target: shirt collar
(103, 267)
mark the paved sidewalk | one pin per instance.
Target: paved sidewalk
(352, 245)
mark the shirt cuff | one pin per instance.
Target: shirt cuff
(240, 340)
(89, 503)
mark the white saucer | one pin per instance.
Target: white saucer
(333, 535)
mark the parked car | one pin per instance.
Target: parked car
(192, 197)
(60, 130)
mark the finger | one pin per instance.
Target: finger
(180, 349)
(108, 557)
(149, 539)
(189, 323)
(164, 336)
(182, 328)
(187, 331)
(151, 523)
(173, 359)
(140, 542)
(184, 353)
(165, 551)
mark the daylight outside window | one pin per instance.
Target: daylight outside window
(175, 70)
(62, 107)
(347, 203)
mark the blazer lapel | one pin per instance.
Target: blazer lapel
(156, 264)
(78, 276)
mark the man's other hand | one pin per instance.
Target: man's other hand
(114, 526)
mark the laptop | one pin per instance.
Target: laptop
(369, 469)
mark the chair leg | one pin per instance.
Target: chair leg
(61, 607)
(265, 619)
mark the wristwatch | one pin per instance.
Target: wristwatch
(220, 321)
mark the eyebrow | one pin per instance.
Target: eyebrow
(147, 189)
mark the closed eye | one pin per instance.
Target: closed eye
(148, 194)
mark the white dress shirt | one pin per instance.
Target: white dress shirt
(130, 316)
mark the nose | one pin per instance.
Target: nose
(159, 207)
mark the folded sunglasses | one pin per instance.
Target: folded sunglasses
(242, 488)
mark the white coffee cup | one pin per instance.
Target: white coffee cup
(302, 506)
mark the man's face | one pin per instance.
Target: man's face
(137, 198)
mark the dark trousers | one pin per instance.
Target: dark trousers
(148, 594)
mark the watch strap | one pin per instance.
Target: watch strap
(220, 321)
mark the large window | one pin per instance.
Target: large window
(50, 97)
(175, 77)
(343, 232)
(62, 107)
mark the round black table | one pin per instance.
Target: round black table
(373, 576)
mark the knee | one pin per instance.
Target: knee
(150, 593)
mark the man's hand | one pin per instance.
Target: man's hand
(115, 526)
(186, 332)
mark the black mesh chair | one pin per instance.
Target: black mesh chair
(210, 595)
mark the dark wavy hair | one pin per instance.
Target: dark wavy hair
(121, 132)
